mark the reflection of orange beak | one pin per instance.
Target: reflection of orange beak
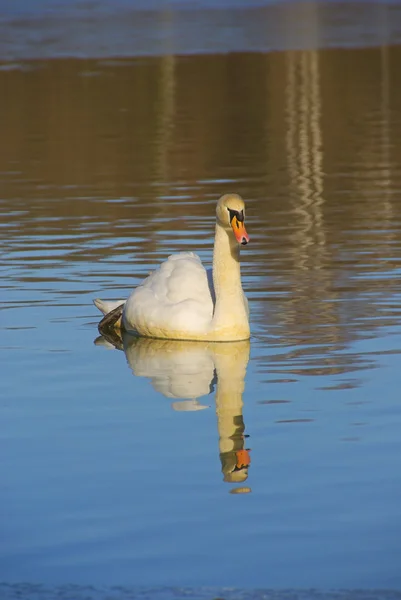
(239, 231)
(243, 459)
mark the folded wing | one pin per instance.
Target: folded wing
(175, 297)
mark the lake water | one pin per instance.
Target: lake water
(165, 469)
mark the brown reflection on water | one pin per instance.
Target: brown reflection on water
(135, 152)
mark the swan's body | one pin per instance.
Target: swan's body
(181, 300)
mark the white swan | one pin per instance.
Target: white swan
(179, 301)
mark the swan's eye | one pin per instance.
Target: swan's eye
(235, 213)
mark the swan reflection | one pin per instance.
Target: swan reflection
(185, 371)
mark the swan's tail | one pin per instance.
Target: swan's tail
(106, 306)
(111, 324)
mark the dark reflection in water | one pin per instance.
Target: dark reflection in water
(120, 161)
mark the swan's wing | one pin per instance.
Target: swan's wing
(176, 297)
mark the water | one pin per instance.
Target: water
(101, 28)
(130, 467)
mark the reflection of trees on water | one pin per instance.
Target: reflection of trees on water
(310, 137)
(329, 264)
(312, 282)
(305, 157)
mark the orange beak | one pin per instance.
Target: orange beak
(239, 231)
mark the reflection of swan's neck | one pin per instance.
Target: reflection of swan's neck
(230, 369)
(182, 370)
(230, 304)
(231, 366)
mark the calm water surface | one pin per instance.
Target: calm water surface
(274, 464)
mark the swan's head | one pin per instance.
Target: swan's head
(230, 213)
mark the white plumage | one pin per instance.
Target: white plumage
(176, 296)
(181, 300)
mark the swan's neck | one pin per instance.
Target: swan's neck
(230, 311)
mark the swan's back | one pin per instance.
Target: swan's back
(175, 297)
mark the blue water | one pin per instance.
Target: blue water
(104, 29)
(104, 483)
(129, 466)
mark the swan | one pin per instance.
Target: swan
(180, 300)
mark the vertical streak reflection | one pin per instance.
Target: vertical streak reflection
(305, 157)
(308, 244)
